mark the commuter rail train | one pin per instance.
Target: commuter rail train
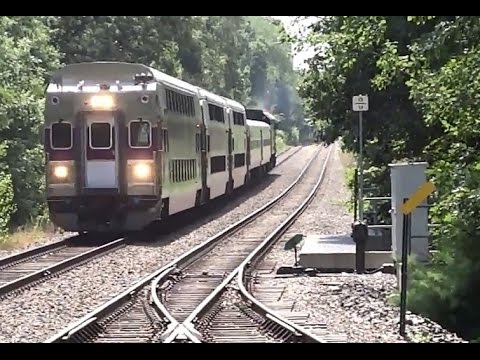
(127, 145)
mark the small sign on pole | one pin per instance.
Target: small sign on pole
(360, 103)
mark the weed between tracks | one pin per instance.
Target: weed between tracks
(25, 236)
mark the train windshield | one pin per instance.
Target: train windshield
(61, 136)
(100, 135)
(140, 134)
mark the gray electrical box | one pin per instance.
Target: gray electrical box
(406, 178)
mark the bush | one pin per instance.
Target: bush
(281, 140)
(447, 290)
(7, 206)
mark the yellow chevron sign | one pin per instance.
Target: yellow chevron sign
(418, 197)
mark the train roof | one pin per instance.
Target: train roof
(257, 123)
(109, 72)
(235, 105)
(214, 98)
(261, 115)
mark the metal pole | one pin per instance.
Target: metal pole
(355, 195)
(403, 284)
(360, 166)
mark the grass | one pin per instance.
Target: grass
(24, 236)
(347, 160)
(281, 143)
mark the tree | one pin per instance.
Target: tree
(26, 57)
(421, 76)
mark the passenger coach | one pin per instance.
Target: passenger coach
(127, 145)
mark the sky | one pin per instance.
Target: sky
(299, 57)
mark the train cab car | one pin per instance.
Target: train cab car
(102, 147)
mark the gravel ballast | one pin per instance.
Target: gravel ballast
(42, 311)
(355, 306)
(58, 236)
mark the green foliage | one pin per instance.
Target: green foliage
(7, 206)
(421, 74)
(281, 141)
(237, 56)
(26, 58)
(350, 182)
(273, 80)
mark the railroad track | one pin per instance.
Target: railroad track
(24, 270)
(230, 313)
(143, 313)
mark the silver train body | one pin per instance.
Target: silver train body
(127, 145)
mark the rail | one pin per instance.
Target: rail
(188, 330)
(87, 323)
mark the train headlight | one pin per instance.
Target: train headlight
(60, 172)
(142, 171)
(102, 102)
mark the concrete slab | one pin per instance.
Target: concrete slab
(321, 244)
(337, 252)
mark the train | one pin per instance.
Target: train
(127, 145)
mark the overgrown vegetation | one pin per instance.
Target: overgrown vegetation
(237, 56)
(422, 77)
(281, 141)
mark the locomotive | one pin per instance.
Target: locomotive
(127, 145)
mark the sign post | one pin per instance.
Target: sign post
(360, 104)
(408, 206)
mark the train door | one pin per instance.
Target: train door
(273, 144)
(230, 146)
(261, 145)
(100, 155)
(205, 147)
(248, 147)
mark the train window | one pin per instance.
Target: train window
(184, 105)
(140, 134)
(217, 164)
(239, 160)
(185, 170)
(61, 136)
(169, 95)
(191, 111)
(216, 113)
(100, 136)
(197, 143)
(165, 145)
(238, 118)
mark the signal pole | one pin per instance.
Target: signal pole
(360, 104)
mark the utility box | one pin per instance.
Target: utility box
(406, 178)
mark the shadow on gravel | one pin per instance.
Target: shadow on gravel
(186, 222)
